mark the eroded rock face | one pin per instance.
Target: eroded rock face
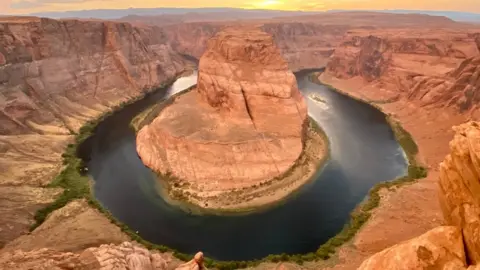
(126, 255)
(460, 186)
(242, 125)
(303, 45)
(55, 75)
(419, 64)
(440, 248)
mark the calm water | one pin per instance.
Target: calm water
(363, 153)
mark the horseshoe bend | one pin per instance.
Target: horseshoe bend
(115, 131)
(241, 138)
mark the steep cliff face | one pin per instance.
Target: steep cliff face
(54, 76)
(440, 248)
(460, 186)
(458, 88)
(242, 125)
(123, 256)
(58, 74)
(402, 63)
(303, 45)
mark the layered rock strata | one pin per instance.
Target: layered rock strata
(460, 186)
(244, 124)
(388, 64)
(55, 75)
(126, 255)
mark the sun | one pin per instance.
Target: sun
(267, 3)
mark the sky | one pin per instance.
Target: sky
(31, 6)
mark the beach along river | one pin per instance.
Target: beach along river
(363, 153)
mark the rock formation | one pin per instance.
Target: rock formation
(127, 255)
(460, 186)
(58, 74)
(458, 88)
(458, 245)
(387, 64)
(55, 75)
(242, 125)
(303, 45)
(440, 248)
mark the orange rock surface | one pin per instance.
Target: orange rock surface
(440, 248)
(460, 186)
(242, 125)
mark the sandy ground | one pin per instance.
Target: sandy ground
(258, 196)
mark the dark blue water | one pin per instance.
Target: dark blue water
(363, 153)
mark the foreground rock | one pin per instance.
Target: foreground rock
(447, 247)
(460, 186)
(243, 125)
(72, 228)
(127, 255)
(441, 248)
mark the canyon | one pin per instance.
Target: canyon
(56, 75)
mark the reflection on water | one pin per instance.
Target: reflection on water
(363, 153)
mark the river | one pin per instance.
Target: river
(363, 152)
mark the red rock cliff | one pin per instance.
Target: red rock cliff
(56, 75)
(413, 64)
(241, 126)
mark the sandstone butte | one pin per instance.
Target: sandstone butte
(243, 125)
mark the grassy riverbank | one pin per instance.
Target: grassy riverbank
(362, 213)
(76, 185)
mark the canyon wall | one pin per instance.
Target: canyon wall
(57, 74)
(54, 76)
(126, 255)
(400, 61)
(303, 45)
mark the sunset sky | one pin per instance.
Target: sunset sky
(29, 6)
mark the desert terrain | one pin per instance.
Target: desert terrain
(56, 75)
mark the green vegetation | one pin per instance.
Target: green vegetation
(76, 185)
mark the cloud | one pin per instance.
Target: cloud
(31, 4)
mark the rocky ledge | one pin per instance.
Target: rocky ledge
(244, 125)
(455, 246)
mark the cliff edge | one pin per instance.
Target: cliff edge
(456, 246)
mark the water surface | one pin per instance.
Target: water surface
(363, 153)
